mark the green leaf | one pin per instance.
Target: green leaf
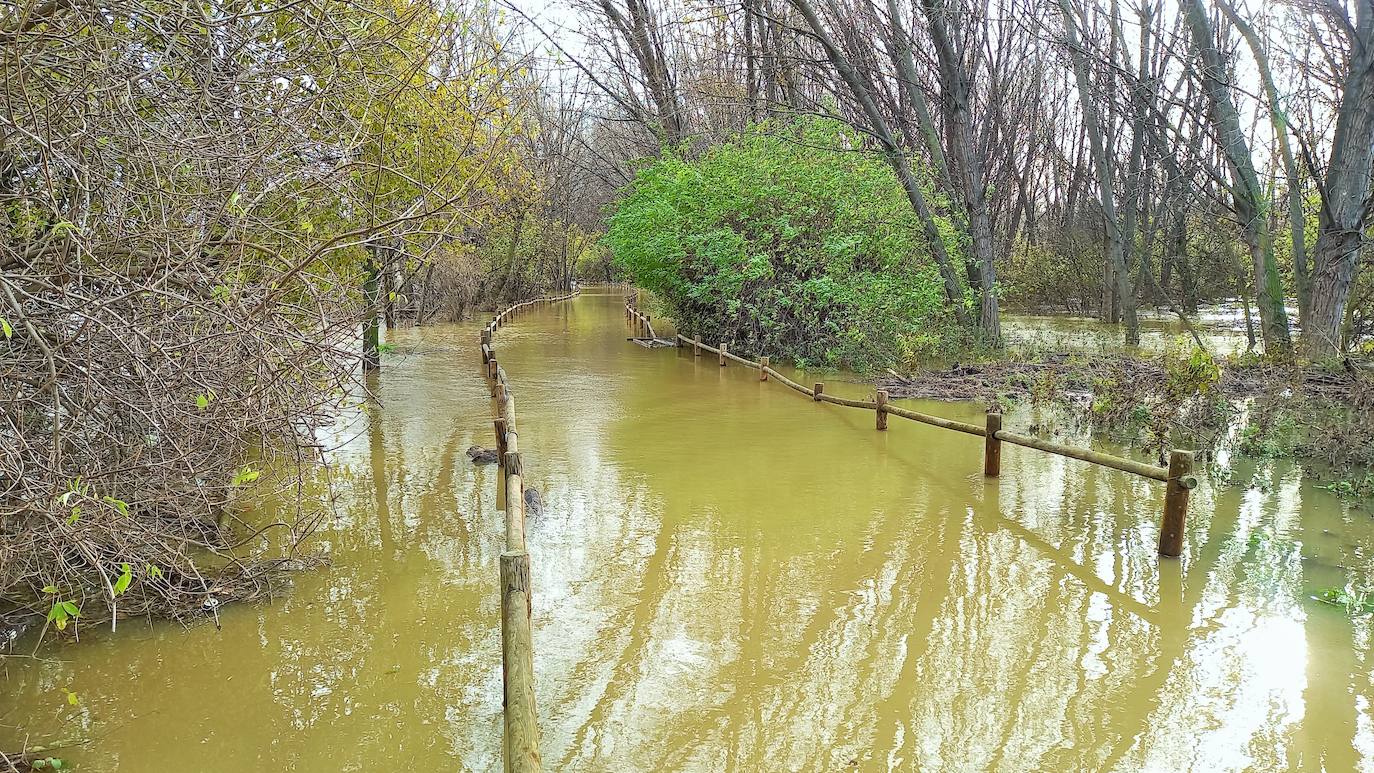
(49, 588)
(118, 504)
(61, 612)
(72, 699)
(153, 571)
(122, 584)
(6, 329)
(202, 401)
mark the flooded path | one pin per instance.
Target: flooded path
(731, 577)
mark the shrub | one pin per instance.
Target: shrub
(785, 241)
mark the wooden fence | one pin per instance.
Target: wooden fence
(521, 734)
(1178, 476)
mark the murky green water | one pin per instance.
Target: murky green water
(731, 577)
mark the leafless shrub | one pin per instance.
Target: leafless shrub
(186, 193)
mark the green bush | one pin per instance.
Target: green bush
(786, 242)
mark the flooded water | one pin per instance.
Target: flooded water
(1221, 327)
(729, 576)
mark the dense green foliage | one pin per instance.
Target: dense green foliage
(782, 242)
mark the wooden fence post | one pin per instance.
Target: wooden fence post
(1176, 503)
(517, 657)
(882, 409)
(819, 389)
(696, 346)
(500, 424)
(515, 500)
(722, 354)
(763, 368)
(492, 367)
(992, 447)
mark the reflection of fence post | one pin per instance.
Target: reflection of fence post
(517, 655)
(820, 388)
(992, 447)
(722, 354)
(763, 368)
(882, 409)
(1176, 503)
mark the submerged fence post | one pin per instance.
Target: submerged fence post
(882, 409)
(722, 354)
(517, 657)
(1176, 491)
(763, 368)
(992, 447)
(819, 389)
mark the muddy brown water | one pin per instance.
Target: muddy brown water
(729, 576)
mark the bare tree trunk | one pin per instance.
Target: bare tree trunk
(1297, 219)
(1116, 257)
(1345, 194)
(956, 85)
(1248, 200)
(371, 348)
(878, 125)
(639, 29)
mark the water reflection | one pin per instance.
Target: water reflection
(730, 577)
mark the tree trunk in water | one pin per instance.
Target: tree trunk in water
(371, 354)
(955, 84)
(388, 288)
(1248, 200)
(1121, 282)
(1345, 192)
(1297, 219)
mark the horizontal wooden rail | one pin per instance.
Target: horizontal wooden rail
(1086, 455)
(521, 726)
(1178, 475)
(935, 421)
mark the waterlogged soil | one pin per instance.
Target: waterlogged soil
(731, 577)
